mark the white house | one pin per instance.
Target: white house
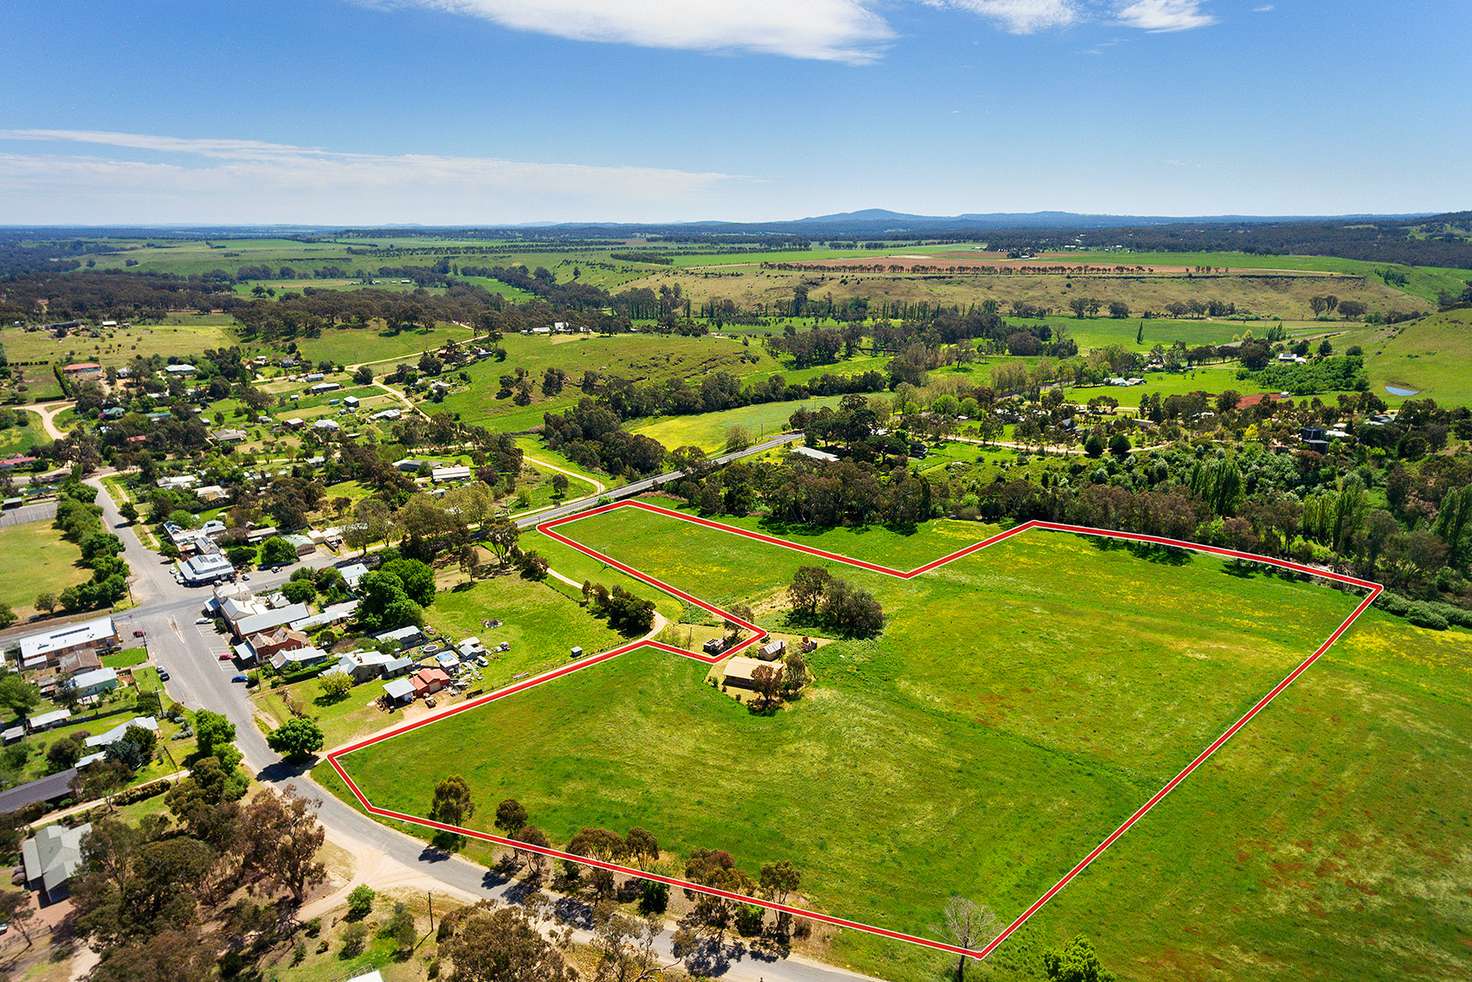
(94, 682)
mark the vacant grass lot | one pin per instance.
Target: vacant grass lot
(1019, 704)
(35, 559)
(1268, 295)
(1424, 282)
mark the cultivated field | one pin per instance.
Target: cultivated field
(1019, 703)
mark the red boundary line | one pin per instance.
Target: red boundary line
(757, 635)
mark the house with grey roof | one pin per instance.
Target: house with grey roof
(50, 858)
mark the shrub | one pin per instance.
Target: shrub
(354, 939)
(360, 902)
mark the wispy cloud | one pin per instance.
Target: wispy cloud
(168, 179)
(826, 30)
(1265, 8)
(1018, 16)
(1165, 15)
(852, 31)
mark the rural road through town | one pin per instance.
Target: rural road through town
(166, 610)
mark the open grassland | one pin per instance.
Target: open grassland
(709, 431)
(1019, 704)
(1212, 379)
(352, 346)
(35, 559)
(631, 356)
(115, 346)
(1432, 356)
(1101, 332)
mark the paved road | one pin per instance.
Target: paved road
(648, 483)
(166, 612)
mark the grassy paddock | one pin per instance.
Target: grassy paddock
(1430, 355)
(1018, 705)
(708, 431)
(35, 559)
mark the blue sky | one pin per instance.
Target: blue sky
(483, 111)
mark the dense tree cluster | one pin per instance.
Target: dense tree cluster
(817, 597)
(80, 522)
(716, 392)
(625, 612)
(591, 435)
(167, 897)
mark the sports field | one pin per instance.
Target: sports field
(1020, 702)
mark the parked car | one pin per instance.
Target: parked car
(429, 701)
(202, 620)
(226, 656)
(238, 677)
(137, 632)
(163, 675)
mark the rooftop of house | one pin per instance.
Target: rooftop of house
(53, 854)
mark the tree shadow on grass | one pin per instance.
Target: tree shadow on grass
(779, 527)
(1148, 551)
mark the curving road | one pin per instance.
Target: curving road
(165, 610)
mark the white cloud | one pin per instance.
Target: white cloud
(1018, 16)
(827, 30)
(169, 179)
(1165, 15)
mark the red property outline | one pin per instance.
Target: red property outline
(757, 635)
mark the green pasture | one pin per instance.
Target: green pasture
(708, 431)
(1432, 356)
(115, 346)
(1018, 705)
(643, 357)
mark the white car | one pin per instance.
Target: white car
(202, 620)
